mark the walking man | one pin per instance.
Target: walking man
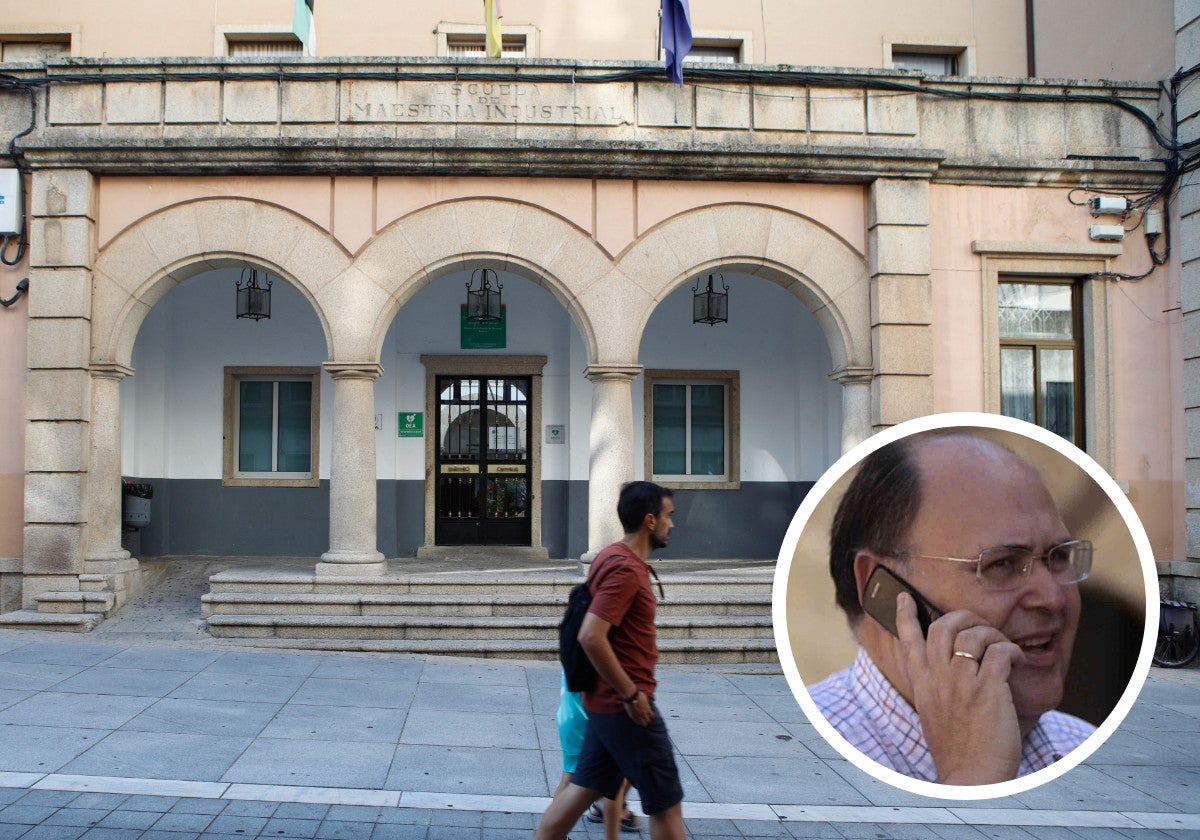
(626, 737)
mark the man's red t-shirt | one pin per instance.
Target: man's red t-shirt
(621, 595)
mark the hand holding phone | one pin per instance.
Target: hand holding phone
(964, 703)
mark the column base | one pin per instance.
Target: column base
(352, 564)
(114, 556)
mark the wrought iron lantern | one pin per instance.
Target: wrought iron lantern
(483, 304)
(253, 299)
(708, 306)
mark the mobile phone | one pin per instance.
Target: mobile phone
(879, 600)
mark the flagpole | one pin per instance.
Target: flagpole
(658, 43)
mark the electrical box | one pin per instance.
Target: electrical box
(1153, 223)
(1109, 205)
(12, 203)
(1107, 233)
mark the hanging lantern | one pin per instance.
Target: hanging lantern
(253, 300)
(708, 306)
(483, 304)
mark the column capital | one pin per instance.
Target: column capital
(612, 373)
(354, 370)
(110, 370)
(853, 375)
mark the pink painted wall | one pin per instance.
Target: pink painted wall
(1145, 379)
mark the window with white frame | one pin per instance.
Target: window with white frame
(691, 423)
(1040, 377)
(272, 425)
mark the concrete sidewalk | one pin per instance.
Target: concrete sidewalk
(111, 741)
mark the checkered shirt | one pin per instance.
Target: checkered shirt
(869, 713)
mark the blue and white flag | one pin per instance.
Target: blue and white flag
(676, 36)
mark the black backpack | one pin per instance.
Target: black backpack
(579, 670)
(576, 664)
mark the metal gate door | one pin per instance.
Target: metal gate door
(482, 461)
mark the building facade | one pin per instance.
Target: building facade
(892, 243)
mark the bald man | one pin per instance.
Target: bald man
(970, 528)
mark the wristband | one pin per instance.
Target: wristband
(632, 697)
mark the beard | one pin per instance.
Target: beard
(657, 542)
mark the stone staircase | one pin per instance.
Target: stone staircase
(713, 613)
(102, 591)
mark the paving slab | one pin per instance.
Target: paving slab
(355, 692)
(468, 729)
(43, 749)
(204, 717)
(330, 723)
(56, 708)
(32, 676)
(281, 761)
(210, 685)
(159, 755)
(61, 653)
(468, 770)
(472, 697)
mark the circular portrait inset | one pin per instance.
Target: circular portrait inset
(961, 605)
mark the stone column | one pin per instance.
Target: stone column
(856, 405)
(352, 479)
(901, 301)
(103, 499)
(58, 403)
(611, 442)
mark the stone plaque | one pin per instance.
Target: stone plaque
(490, 103)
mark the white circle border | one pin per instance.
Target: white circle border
(783, 568)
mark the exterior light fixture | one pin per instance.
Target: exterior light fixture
(708, 306)
(483, 304)
(254, 300)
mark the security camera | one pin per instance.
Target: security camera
(1109, 205)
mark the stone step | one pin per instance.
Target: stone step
(77, 622)
(555, 583)
(76, 601)
(731, 652)
(255, 603)
(466, 629)
(97, 582)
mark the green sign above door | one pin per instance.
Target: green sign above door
(482, 335)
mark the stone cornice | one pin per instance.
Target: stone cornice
(551, 118)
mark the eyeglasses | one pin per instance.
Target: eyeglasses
(1007, 567)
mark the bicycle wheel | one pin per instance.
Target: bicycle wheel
(1176, 646)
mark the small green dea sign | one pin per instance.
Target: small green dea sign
(411, 424)
(482, 335)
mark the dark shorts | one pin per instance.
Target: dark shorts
(616, 748)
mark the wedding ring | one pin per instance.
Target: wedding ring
(965, 654)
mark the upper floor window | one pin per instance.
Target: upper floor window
(34, 48)
(474, 46)
(715, 53)
(929, 63)
(271, 47)
(467, 40)
(1040, 375)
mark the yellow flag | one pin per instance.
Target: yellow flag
(491, 24)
